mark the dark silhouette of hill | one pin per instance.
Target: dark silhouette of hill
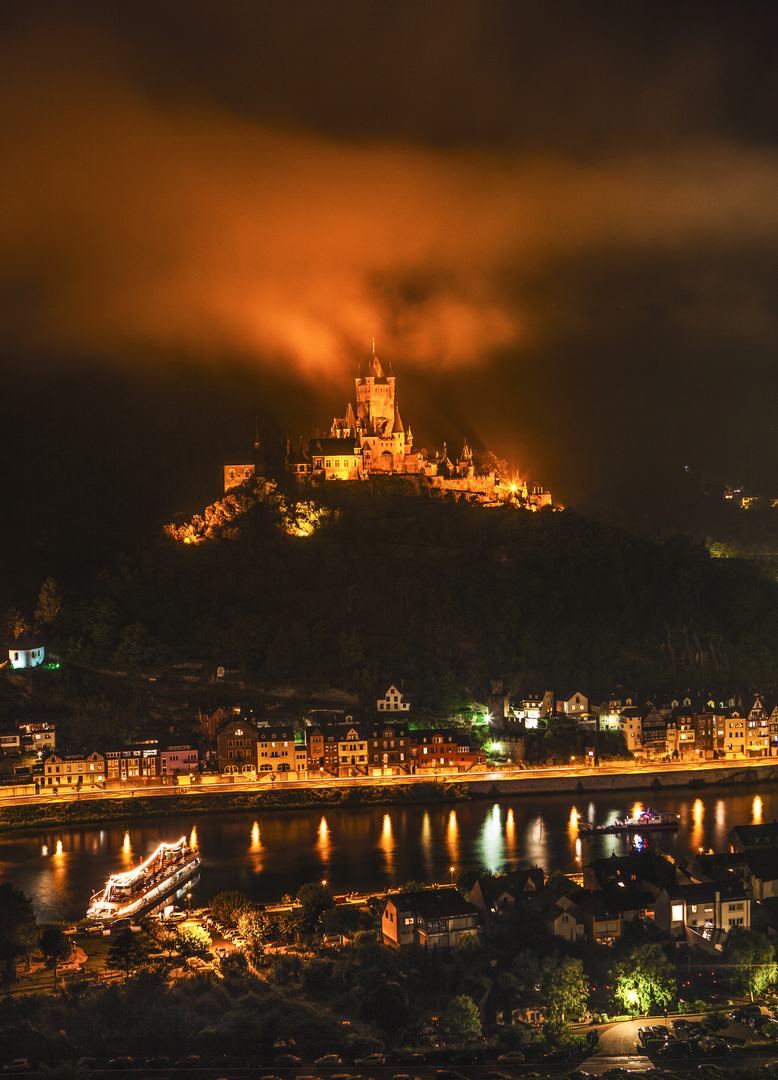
(446, 595)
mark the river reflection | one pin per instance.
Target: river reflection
(368, 848)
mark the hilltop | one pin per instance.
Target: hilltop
(354, 583)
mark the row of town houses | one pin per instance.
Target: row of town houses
(236, 746)
(698, 902)
(245, 750)
(692, 727)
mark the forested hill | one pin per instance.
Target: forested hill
(391, 584)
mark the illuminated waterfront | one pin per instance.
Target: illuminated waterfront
(365, 848)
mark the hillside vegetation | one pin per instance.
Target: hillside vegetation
(390, 583)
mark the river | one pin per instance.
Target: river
(363, 849)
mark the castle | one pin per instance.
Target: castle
(373, 442)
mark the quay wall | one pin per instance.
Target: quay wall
(631, 780)
(47, 811)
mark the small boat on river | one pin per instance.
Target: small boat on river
(647, 820)
(141, 888)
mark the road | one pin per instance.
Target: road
(217, 785)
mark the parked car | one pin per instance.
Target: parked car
(511, 1057)
(371, 1059)
(121, 1063)
(70, 931)
(286, 1059)
(18, 1065)
(328, 1059)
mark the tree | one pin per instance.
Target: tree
(644, 975)
(254, 925)
(128, 952)
(461, 1021)
(15, 625)
(753, 961)
(193, 941)
(18, 930)
(315, 899)
(56, 947)
(564, 987)
(226, 906)
(389, 1008)
(49, 603)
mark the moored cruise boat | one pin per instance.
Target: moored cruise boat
(649, 819)
(136, 890)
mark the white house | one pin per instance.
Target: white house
(631, 724)
(26, 651)
(393, 701)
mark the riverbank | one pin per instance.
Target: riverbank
(139, 806)
(630, 780)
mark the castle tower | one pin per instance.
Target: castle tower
(375, 399)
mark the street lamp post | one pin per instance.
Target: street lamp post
(451, 871)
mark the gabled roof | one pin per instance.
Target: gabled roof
(748, 836)
(424, 736)
(706, 892)
(637, 867)
(762, 863)
(334, 446)
(25, 642)
(515, 883)
(434, 903)
(300, 456)
(721, 867)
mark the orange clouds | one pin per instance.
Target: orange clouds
(130, 226)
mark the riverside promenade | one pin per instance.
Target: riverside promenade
(214, 794)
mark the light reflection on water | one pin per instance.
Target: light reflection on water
(367, 848)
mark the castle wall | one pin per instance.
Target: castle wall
(236, 474)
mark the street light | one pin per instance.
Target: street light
(189, 902)
(451, 871)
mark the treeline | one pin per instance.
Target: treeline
(447, 595)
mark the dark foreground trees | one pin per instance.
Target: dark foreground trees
(18, 930)
(56, 947)
(752, 961)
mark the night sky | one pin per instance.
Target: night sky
(558, 221)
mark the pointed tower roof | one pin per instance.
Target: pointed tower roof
(351, 420)
(299, 456)
(398, 424)
(467, 453)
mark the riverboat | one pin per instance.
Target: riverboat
(648, 820)
(141, 888)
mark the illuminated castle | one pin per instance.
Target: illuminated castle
(373, 441)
